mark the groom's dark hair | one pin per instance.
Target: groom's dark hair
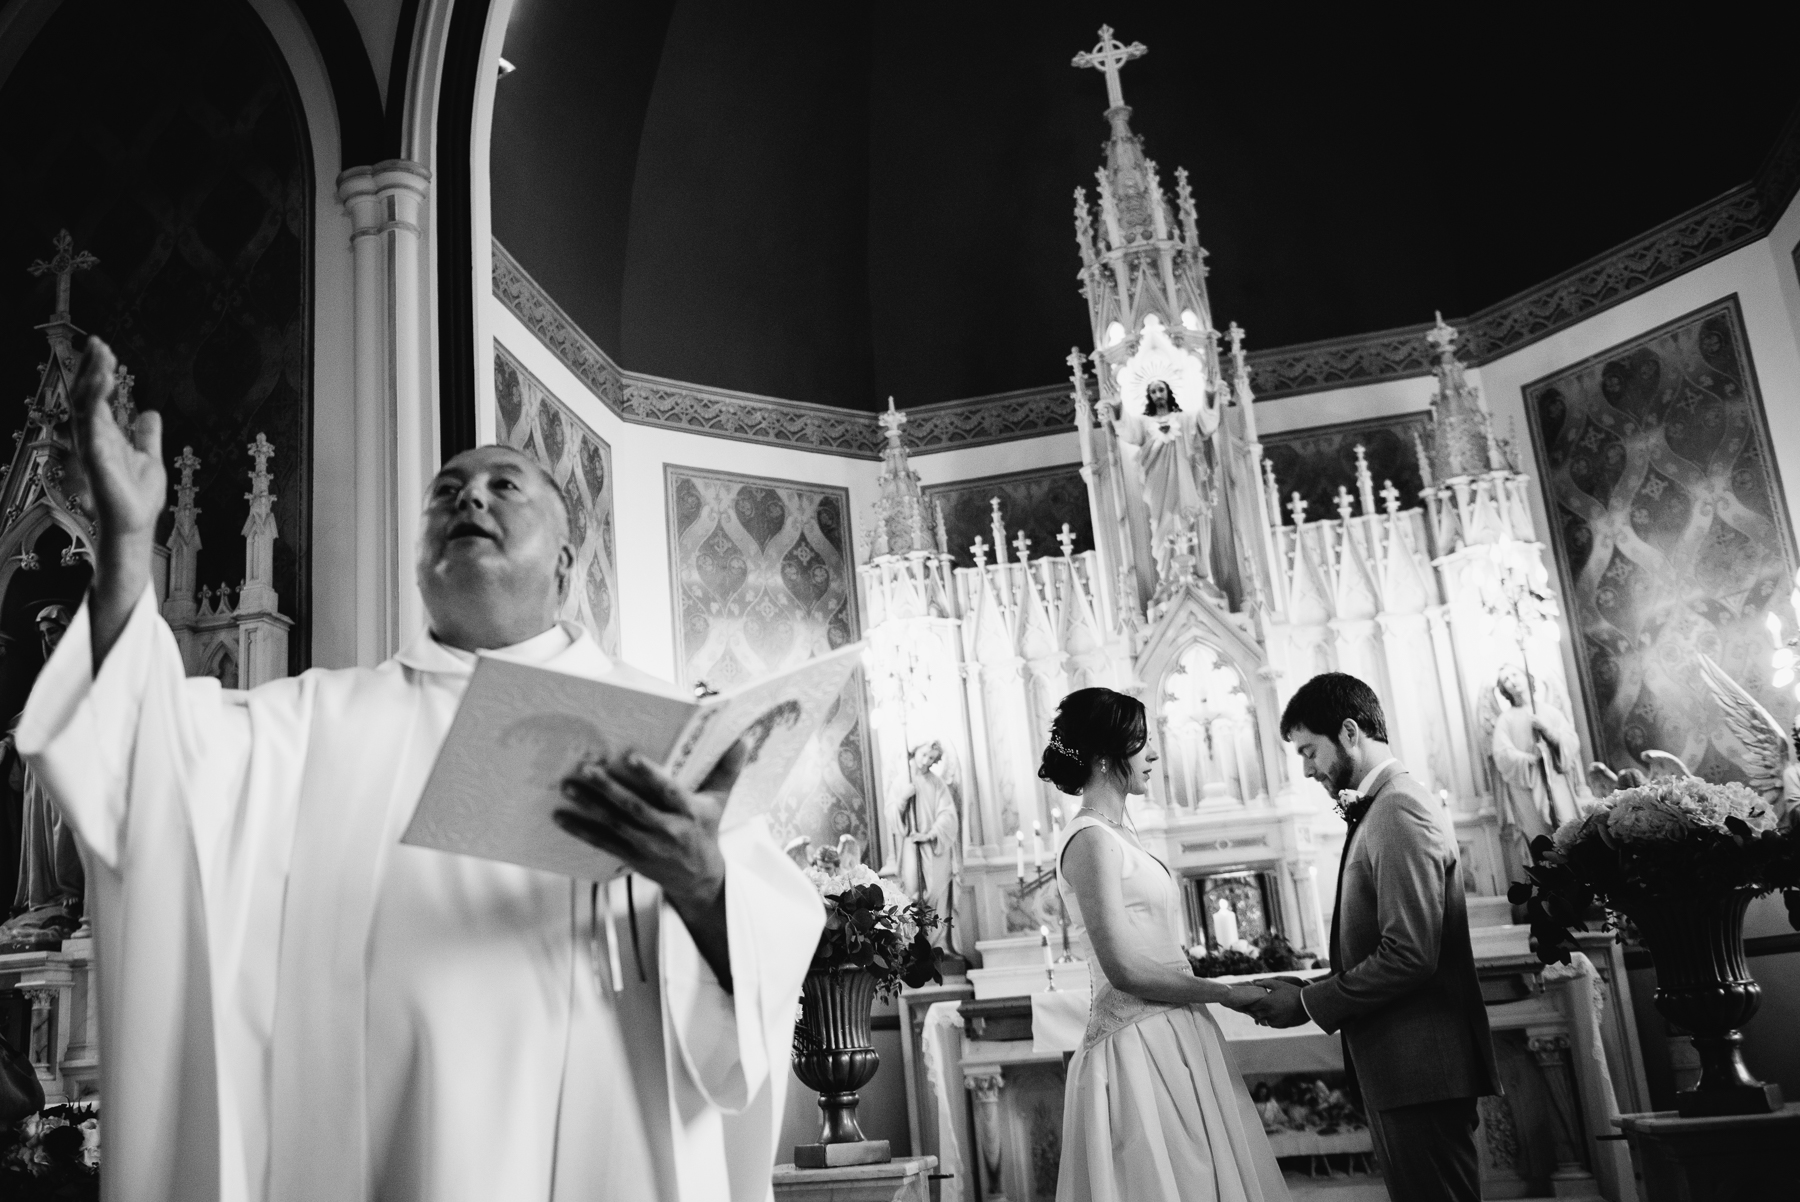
(1324, 702)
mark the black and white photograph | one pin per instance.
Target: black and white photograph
(1259, 537)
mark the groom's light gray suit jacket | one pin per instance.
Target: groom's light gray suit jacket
(1403, 990)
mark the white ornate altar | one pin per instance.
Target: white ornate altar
(1213, 615)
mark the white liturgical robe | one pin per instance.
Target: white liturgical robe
(295, 1007)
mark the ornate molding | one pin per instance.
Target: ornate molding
(1316, 366)
(1687, 242)
(652, 401)
(1694, 238)
(1690, 240)
(655, 401)
(985, 419)
(1779, 177)
(528, 301)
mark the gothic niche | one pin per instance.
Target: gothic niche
(1208, 732)
(191, 261)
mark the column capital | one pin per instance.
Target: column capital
(984, 1083)
(386, 176)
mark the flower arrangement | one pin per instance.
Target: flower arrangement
(870, 924)
(1675, 837)
(54, 1153)
(1273, 954)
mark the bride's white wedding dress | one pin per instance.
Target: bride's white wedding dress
(1155, 1109)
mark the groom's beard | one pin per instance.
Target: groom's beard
(1338, 775)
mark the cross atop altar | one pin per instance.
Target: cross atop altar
(1109, 55)
(63, 264)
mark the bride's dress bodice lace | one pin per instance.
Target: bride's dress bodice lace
(1152, 909)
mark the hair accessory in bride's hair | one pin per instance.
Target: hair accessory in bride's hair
(1056, 744)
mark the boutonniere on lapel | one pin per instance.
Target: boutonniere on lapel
(1351, 805)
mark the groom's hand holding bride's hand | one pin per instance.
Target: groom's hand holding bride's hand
(1242, 997)
(1280, 1006)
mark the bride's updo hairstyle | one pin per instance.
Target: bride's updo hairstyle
(1092, 726)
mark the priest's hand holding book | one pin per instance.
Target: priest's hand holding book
(631, 808)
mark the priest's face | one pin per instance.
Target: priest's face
(494, 555)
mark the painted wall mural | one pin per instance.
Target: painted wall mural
(580, 462)
(1670, 532)
(1315, 462)
(1035, 502)
(763, 580)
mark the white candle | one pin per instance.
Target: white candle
(1019, 846)
(1055, 824)
(1044, 937)
(1037, 844)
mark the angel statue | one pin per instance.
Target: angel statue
(1767, 751)
(1536, 756)
(924, 836)
(1178, 484)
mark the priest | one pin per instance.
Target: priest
(294, 1005)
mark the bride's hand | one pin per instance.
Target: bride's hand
(1242, 997)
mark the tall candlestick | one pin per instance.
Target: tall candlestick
(1037, 844)
(1044, 935)
(1019, 847)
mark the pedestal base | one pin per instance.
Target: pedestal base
(835, 1156)
(1715, 1103)
(1740, 1158)
(903, 1180)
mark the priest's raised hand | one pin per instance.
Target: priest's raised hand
(123, 472)
(295, 1005)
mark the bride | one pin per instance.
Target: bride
(1155, 1109)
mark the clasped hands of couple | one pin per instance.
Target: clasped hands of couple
(1278, 1006)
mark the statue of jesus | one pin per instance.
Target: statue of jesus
(297, 1005)
(1178, 485)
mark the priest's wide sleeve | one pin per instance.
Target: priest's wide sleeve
(81, 731)
(148, 768)
(730, 1043)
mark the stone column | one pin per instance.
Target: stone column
(1457, 722)
(51, 991)
(396, 423)
(1571, 1178)
(1315, 936)
(989, 1130)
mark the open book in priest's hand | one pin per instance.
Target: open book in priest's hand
(521, 730)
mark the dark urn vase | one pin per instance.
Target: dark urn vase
(1704, 986)
(832, 1055)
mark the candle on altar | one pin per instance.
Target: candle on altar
(1055, 824)
(1019, 846)
(1037, 844)
(1044, 938)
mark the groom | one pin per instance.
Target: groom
(1403, 990)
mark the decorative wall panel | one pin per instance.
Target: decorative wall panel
(1036, 503)
(1314, 463)
(580, 462)
(1670, 531)
(762, 581)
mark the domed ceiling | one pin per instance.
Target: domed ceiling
(833, 203)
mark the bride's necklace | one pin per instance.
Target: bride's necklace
(1132, 830)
